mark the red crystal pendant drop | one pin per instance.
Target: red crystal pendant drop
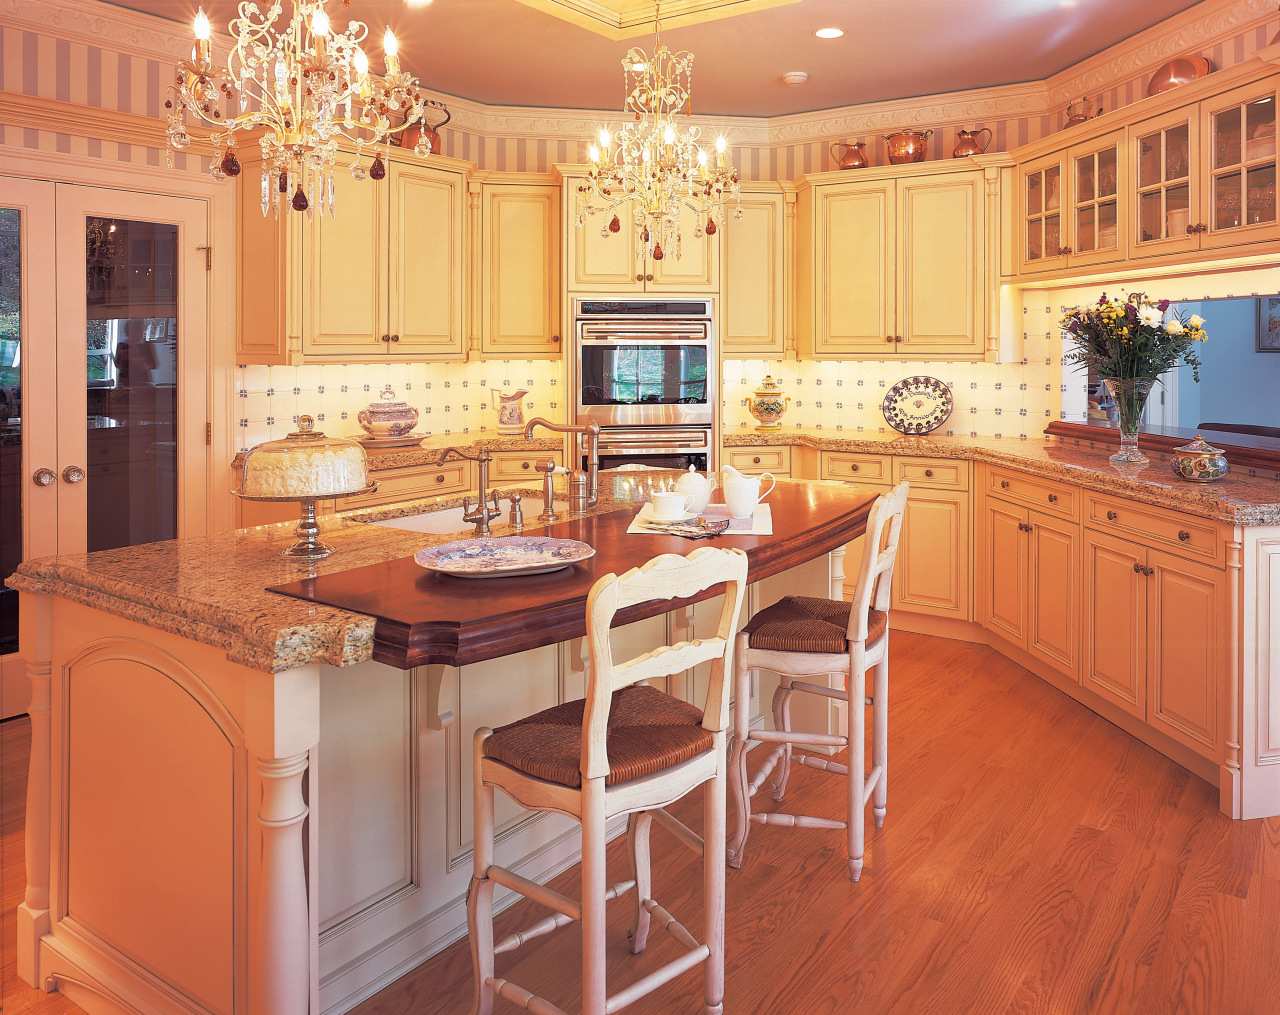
(378, 170)
(615, 225)
(229, 164)
(284, 182)
(711, 227)
(644, 236)
(299, 200)
(657, 252)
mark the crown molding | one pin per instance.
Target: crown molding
(1195, 30)
(976, 105)
(100, 24)
(53, 115)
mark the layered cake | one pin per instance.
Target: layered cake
(307, 473)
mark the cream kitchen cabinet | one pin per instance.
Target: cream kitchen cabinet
(1156, 637)
(753, 277)
(598, 260)
(383, 278)
(517, 245)
(519, 466)
(893, 265)
(1028, 588)
(1073, 203)
(771, 458)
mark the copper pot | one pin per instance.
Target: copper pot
(410, 135)
(1080, 111)
(967, 142)
(907, 146)
(852, 157)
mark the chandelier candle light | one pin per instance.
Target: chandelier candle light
(301, 88)
(652, 164)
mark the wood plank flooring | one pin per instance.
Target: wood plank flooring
(1035, 860)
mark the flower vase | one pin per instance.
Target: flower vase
(1130, 396)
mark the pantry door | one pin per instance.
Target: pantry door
(103, 377)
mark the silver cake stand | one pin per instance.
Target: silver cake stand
(308, 546)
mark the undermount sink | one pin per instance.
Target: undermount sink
(450, 520)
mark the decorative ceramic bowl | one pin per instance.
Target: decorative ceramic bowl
(1199, 461)
(767, 404)
(388, 417)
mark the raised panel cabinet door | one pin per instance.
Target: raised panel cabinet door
(1187, 631)
(694, 266)
(597, 258)
(752, 269)
(426, 263)
(932, 571)
(854, 284)
(941, 266)
(520, 300)
(346, 276)
(1003, 571)
(1053, 579)
(1115, 621)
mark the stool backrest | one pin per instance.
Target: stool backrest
(880, 550)
(668, 576)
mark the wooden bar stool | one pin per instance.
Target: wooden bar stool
(628, 748)
(803, 637)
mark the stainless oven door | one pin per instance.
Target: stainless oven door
(637, 376)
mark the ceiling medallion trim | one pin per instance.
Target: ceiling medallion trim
(628, 19)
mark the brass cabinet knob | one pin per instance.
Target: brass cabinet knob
(73, 474)
(1148, 571)
(1004, 484)
(756, 460)
(386, 338)
(1190, 229)
(854, 467)
(524, 465)
(1183, 535)
(440, 478)
(1137, 568)
(639, 278)
(555, 339)
(1053, 498)
(928, 473)
(395, 338)
(44, 477)
(889, 339)
(1112, 516)
(648, 278)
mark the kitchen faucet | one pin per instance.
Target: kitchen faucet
(482, 514)
(584, 491)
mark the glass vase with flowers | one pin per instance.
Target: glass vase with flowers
(1128, 341)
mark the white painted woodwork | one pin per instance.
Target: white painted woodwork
(1115, 621)
(520, 273)
(752, 277)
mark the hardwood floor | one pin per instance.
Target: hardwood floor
(1035, 860)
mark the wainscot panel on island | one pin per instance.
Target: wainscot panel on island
(247, 802)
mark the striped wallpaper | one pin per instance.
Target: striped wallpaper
(33, 63)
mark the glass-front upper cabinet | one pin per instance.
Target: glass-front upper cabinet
(1168, 210)
(1043, 245)
(1241, 199)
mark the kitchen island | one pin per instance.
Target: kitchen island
(246, 802)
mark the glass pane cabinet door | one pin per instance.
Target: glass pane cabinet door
(1096, 204)
(1042, 216)
(1242, 194)
(1164, 186)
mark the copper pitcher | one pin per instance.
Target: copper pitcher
(1080, 111)
(410, 135)
(852, 157)
(907, 146)
(967, 142)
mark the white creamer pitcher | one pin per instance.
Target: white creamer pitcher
(742, 492)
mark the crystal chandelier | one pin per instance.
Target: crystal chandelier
(654, 165)
(300, 87)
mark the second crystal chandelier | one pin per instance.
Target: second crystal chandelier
(652, 164)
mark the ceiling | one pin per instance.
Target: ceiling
(509, 52)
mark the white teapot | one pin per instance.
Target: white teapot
(742, 492)
(696, 488)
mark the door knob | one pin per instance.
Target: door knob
(44, 477)
(73, 474)
(395, 338)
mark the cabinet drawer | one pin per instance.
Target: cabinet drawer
(413, 482)
(937, 474)
(861, 468)
(776, 460)
(1193, 538)
(1041, 494)
(508, 466)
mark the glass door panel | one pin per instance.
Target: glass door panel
(1244, 165)
(10, 418)
(1096, 201)
(1168, 196)
(1042, 217)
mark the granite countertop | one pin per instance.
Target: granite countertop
(426, 453)
(1245, 497)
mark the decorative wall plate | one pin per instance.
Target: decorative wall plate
(503, 556)
(917, 405)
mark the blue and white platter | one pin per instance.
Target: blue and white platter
(917, 405)
(503, 556)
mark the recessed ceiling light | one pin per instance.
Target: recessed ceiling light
(795, 77)
(829, 33)
(418, 3)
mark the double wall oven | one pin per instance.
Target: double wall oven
(645, 370)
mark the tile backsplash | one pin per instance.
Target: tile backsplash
(1012, 399)
(450, 397)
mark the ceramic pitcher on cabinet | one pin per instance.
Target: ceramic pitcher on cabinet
(510, 411)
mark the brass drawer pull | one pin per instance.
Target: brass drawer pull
(440, 477)
(928, 473)
(648, 278)
(1112, 516)
(1004, 484)
(1053, 498)
(756, 460)
(1023, 527)
(889, 339)
(395, 338)
(1137, 568)
(1183, 535)
(524, 465)
(1140, 569)
(1148, 571)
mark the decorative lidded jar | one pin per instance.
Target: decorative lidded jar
(388, 417)
(767, 404)
(1199, 461)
